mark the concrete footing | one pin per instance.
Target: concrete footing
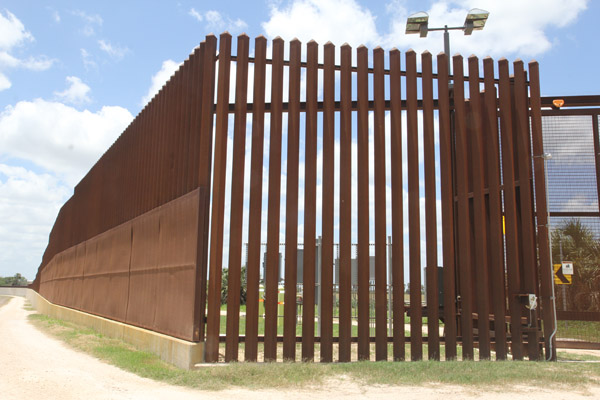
(180, 353)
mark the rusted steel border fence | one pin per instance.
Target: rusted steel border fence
(484, 171)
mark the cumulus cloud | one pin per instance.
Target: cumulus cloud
(46, 147)
(323, 20)
(514, 27)
(76, 93)
(218, 22)
(59, 138)
(116, 52)
(167, 69)
(13, 34)
(29, 203)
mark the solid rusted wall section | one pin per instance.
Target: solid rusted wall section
(142, 272)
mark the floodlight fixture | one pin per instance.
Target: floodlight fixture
(417, 23)
(475, 20)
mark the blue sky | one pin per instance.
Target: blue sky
(74, 74)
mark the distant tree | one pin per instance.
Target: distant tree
(17, 280)
(579, 246)
(225, 286)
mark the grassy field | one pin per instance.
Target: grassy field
(581, 330)
(297, 375)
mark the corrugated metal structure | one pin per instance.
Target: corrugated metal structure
(134, 238)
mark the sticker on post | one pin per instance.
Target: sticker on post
(567, 267)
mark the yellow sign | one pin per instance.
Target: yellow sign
(559, 277)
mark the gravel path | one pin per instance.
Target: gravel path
(35, 366)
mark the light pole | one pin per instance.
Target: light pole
(419, 23)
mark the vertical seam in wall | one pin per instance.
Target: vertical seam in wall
(129, 273)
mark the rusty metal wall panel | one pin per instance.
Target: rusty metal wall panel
(380, 207)
(496, 239)
(345, 205)
(327, 205)
(480, 212)
(78, 272)
(110, 273)
(397, 216)
(141, 272)
(118, 268)
(431, 269)
(412, 154)
(541, 207)
(90, 262)
(463, 215)
(144, 262)
(176, 271)
(291, 208)
(362, 168)
(256, 178)
(510, 210)
(218, 203)
(237, 201)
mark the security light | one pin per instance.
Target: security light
(417, 23)
(475, 20)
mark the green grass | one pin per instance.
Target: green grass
(581, 330)
(495, 375)
(569, 356)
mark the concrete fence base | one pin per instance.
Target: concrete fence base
(180, 353)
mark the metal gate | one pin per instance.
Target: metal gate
(487, 131)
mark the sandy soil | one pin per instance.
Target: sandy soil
(35, 366)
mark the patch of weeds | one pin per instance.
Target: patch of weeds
(495, 375)
(571, 356)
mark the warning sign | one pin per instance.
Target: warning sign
(560, 278)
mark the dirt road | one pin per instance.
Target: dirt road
(35, 366)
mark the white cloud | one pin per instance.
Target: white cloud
(29, 203)
(90, 22)
(76, 93)
(116, 52)
(87, 60)
(4, 82)
(57, 144)
(323, 20)
(59, 138)
(56, 17)
(13, 34)
(160, 78)
(218, 22)
(214, 18)
(514, 27)
(196, 15)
